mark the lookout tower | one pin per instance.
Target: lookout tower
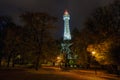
(66, 18)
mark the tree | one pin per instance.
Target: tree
(38, 24)
(103, 28)
(80, 42)
(51, 50)
(5, 22)
(12, 43)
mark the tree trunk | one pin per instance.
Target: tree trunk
(37, 65)
(37, 62)
(40, 42)
(0, 61)
(8, 62)
(13, 61)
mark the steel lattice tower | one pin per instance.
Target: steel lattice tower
(66, 44)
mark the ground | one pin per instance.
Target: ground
(53, 73)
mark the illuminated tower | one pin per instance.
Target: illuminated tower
(66, 44)
(66, 18)
(68, 58)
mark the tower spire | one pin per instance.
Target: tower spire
(66, 18)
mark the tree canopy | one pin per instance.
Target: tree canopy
(104, 28)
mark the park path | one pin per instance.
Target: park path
(53, 73)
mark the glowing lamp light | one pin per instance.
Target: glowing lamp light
(93, 52)
(59, 58)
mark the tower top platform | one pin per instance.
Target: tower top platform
(66, 12)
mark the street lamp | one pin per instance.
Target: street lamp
(59, 59)
(93, 52)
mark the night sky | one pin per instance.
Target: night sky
(78, 9)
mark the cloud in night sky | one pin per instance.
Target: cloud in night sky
(78, 9)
